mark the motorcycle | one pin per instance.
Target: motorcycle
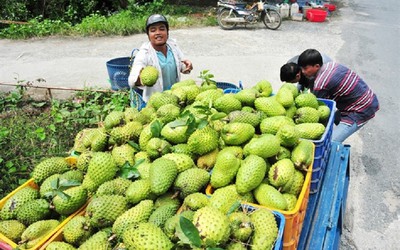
(232, 13)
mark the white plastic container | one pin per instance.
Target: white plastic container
(294, 9)
(284, 10)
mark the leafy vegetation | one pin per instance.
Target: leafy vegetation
(31, 130)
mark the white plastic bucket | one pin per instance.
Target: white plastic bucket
(294, 9)
(284, 10)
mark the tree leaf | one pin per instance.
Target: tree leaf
(190, 231)
(234, 207)
(177, 123)
(202, 124)
(129, 172)
(63, 195)
(217, 116)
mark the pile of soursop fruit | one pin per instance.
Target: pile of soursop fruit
(143, 174)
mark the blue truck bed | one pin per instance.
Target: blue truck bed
(323, 222)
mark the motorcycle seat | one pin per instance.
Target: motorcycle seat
(239, 4)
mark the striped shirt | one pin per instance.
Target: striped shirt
(354, 99)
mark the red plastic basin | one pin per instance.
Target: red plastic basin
(330, 7)
(316, 15)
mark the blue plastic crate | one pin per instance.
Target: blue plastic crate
(322, 148)
(227, 85)
(136, 100)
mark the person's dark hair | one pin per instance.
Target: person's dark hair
(289, 71)
(310, 57)
(156, 18)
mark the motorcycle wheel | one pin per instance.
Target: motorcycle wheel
(226, 14)
(272, 19)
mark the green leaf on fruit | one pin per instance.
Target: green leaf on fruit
(190, 231)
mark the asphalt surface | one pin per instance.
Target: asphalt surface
(363, 35)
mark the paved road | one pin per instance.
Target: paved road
(362, 34)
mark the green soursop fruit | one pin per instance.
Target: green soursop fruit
(149, 75)
(59, 245)
(83, 140)
(225, 169)
(144, 170)
(77, 198)
(293, 88)
(182, 83)
(83, 160)
(288, 135)
(130, 114)
(146, 236)
(267, 195)
(175, 135)
(145, 136)
(265, 229)
(264, 88)
(296, 184)
(291, 200)
(251, 118)
(247, 96)
(264, 146)
(236, 246)
(102, 168)
(76, 231)
(208, 96)
(302, 154)
(195, 201)
(149, 113)
(281, 172)
(168, 112)
(241, 226)
(306, 100)
(213, 226)
(137, 191)
(284, 153)
(270, 106)
(306, 115)
(99, 140)
(123, 134)
(124, 153)
(33, 211)
(208, 160)
(117, 186)
(312, 131)
(203, 141)
(114, 119)
(226, 197)
(170, 226)
(271, 125)
(227, 103)
(12, 229)
(135, 215)
(46, 186)
(104, 210)
(159, 99)
(250, 174)
(11, 206)
(183, 148)
(162, 175)
(157, 147)
(161, 214)
(324, 113)
(98, 241)
(191, 181)
(291, 111)
(49, 166)
(237, 133)
(182, 161)
(72, 175)
(285, 97)
(35, 232)
(167, 199)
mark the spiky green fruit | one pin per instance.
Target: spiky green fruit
(247, 96)
(135, 215)
(76, 231)
(291, 200)
(302, 154)
(98, 241)
(130, 114)
(77, 198)
(183, 162)
(227, 197)
(191, 181)
(117, 186)
(99, 140)
(33, 211)
(195, 201)
(296, 184)
(285, 97)
(144, 170)
(250, 174)
(174, 134)
(227, 103)
(208, 160)
(59, 245)
(102, 168)
(168, 112)
(292, 87)
(11, 206)
(225, 169)
(35, 232)
(267, 195)
(104, 210)
(241, 226)
(167, 199)
(124, 153)
(203, 141)
(83, 140)
(161, 214)
(251, 118)
(288, 135)
(306, 115)
(213, 226)
(183, 148)
(48, 167)
(265, 229)
(264, 88)
(270, 106)
(264, 146)
(157, 147)
(170, 226)
(114, 119)
(237, 133)
(271, 125)
(291, 111)
(312, 131)
(236, 246)
(149, 75)
(306, 100)
(159, 99)
(162, 175)
(208, 96)
(83, 160)
(324, 113)
(146, 236)
(12, 229)
(138, 190)
(281, 172)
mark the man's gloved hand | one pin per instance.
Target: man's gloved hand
(338, 117)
